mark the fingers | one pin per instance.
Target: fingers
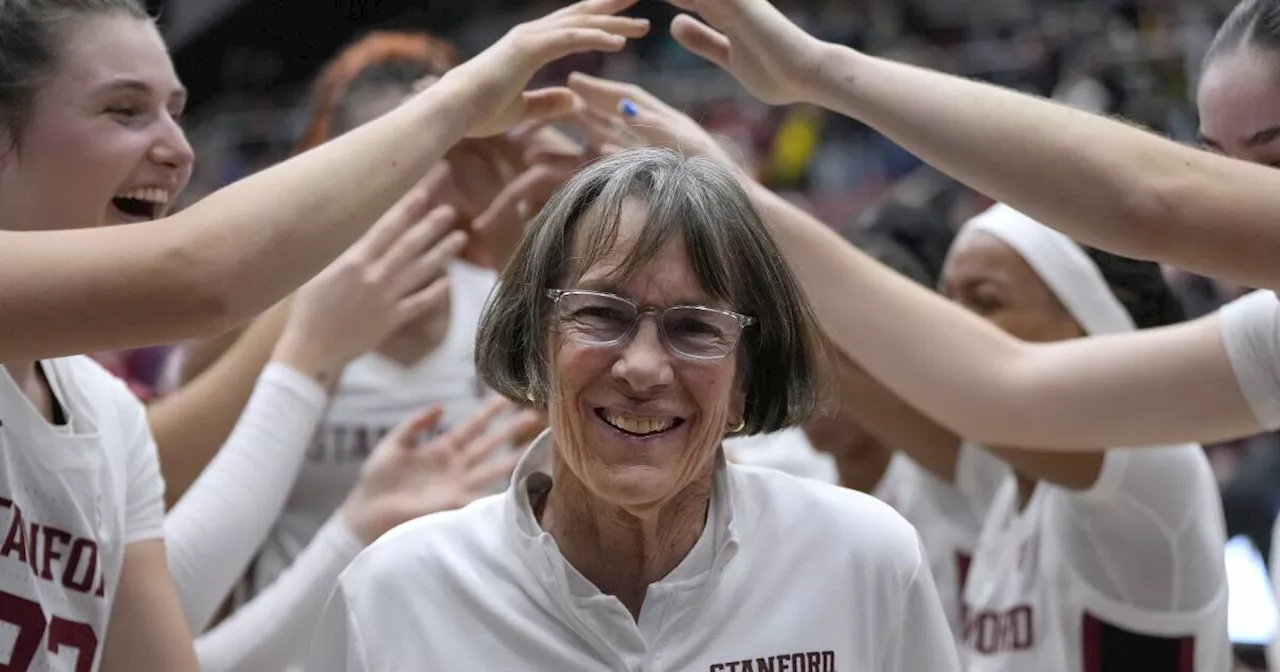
(595, 7)
(526, 130)
(424, 301)
(622, 26)
(428, 230)
(550, 137)
(497, 469)
(604, 130)
(697, 37)
(555, 157)
(407, 432)
(543, 106)
(472, 427)
(521, 198)
(567, 39)
(431, 264)
(557, 162)
(478, 451)
(605, 94)
(406, 212)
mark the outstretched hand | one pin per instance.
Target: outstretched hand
(768, 54)
(404, 478)
(648, 120)
(503, 224)
(493, 82)
(394, 274)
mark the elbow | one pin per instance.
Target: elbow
(201, 290)
(1150, 207)
(1000, 408)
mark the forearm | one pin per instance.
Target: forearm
(146, 630)
(890, 326)
(215, 530)
(274, 629)
(1101, 181)
(898, 425)
(197, 356)
(1154, 387)
(191, 425)
(271, 232)
(226, 258)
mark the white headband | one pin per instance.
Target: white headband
(1062, 264)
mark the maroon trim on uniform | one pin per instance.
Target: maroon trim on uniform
(1109, 648)
(1187, 656)
(963, 560)
(1091, 638)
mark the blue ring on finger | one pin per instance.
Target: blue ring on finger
(629, 108)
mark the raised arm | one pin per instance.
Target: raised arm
(1104, 183)
(392, 275)
(193, 422)
(147, 630)
(247, 246)
(1159, 386)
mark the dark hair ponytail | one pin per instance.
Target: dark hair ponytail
(1141, 288)
(32, 37)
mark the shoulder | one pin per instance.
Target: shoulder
(1250, 332)
(1156, 473)
(429, 548)
(100, 392)
(1258, 304)
(818, 516)
(90, 375)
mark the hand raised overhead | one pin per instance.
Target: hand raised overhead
(493, 82)
(772, 57)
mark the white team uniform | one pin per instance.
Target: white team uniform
(72, 497)
(788, 575)
(948, 517)
(1127, 575)
(375, 395)
(1250, 328)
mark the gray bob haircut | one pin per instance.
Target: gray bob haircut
(731, 253)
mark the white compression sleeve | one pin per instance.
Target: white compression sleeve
(274, 629)
(215, 529)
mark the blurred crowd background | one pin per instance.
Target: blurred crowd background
(248, 63)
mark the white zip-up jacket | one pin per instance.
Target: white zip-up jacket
(788, 576)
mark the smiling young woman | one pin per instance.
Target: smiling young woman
(242, 249)
(89, 108)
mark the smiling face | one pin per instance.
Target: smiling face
(987, 276)
(103, 145)
(1239, 101)
(635, 423)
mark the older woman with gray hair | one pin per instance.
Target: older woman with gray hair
(650, 313)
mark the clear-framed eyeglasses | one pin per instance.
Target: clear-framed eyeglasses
(603, 319)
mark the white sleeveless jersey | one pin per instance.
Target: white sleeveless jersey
(947, 517)
(1127, 575)
(72, 497)
(374, 395)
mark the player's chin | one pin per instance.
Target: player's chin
(635, 486)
